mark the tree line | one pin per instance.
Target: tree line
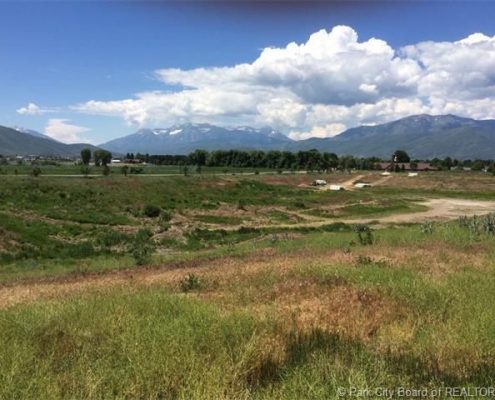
(307, 160)
(100, 157)
(311, 160)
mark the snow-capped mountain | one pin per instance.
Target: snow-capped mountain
(182, 139)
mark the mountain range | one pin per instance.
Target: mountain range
(25, 142)
(182, 139)
(422, 136)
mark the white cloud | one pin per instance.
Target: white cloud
(32, 109)
(319, 132)
(329, 83)
(61, 130)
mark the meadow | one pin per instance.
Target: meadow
(244, 286)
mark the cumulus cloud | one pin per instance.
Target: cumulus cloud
(61, 130)
(32, 109)
(331, 82)
(328, 130)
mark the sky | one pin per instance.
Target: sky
(93, 71)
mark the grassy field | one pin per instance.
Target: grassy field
(71, 168)
(255, 287)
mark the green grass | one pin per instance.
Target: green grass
(219, 219)
(166, 347)
(155, 344)
(231, 336)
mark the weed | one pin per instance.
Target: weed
(364, 260)
(427, 227)
(190, 282)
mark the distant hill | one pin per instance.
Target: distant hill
(182, 139)
(15, 142)
(31, 132)
(422, 136)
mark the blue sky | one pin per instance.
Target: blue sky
(58, 56)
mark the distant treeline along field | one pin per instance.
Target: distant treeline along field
(311, 160)
(307, 160)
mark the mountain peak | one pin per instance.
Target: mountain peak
(187, 137)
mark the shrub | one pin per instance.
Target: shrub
(364, 234)
(106, 170)
(151, 211)
(142, 247)
(36, 171)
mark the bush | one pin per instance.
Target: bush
(151, 211)
(142, 247)
(365, 234)
(36, 171)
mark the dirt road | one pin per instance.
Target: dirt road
(347, 185)
(438, 209)
(443, 209)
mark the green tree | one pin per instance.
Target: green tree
(198, 157)
(85, 156)
(478, 165)
(102, 157)
(400, 156)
